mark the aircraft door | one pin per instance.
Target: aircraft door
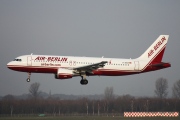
(136, 65)
(72, 63)
(29, 60)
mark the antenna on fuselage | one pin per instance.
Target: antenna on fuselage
(31, 53)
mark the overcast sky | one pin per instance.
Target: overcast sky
(94, 28)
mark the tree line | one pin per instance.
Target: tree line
(110, 104)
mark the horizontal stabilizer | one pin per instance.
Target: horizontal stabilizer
(162, 64)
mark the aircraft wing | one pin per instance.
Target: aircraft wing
(90, 68)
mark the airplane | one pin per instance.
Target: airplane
(66, 67)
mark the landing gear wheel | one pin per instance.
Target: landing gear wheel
(81, 82)
(84, 82)
(28, 79)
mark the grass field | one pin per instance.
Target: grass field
(85, 118)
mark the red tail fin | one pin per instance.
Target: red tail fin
(159, 56)
(154, 53)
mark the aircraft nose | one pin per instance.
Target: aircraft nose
(9, 65)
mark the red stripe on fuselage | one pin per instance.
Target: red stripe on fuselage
(105, 72)
(35, 69)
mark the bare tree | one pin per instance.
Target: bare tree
(109, 93)
(98, 108)
(176, 89)
(109, 96)
(34, 89)
(161, 88)
(10, 99)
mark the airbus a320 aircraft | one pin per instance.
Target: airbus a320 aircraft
(65, 67)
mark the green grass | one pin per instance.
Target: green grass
(86, 118)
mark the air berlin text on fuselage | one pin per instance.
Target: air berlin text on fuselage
(158, 44)
(53, 59)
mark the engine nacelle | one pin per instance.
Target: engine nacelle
(64, 74)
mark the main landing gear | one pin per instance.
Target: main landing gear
(28, 79)
(83, 81)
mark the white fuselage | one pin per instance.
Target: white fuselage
(65, 67)
(38, 62)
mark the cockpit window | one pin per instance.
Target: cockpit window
(17, 60)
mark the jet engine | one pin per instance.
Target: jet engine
(64, 74)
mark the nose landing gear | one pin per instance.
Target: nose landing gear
(28, 79)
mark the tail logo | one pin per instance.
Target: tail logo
(157, 45)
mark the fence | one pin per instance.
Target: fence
(151, 114)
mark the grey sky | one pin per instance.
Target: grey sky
(110, 28)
